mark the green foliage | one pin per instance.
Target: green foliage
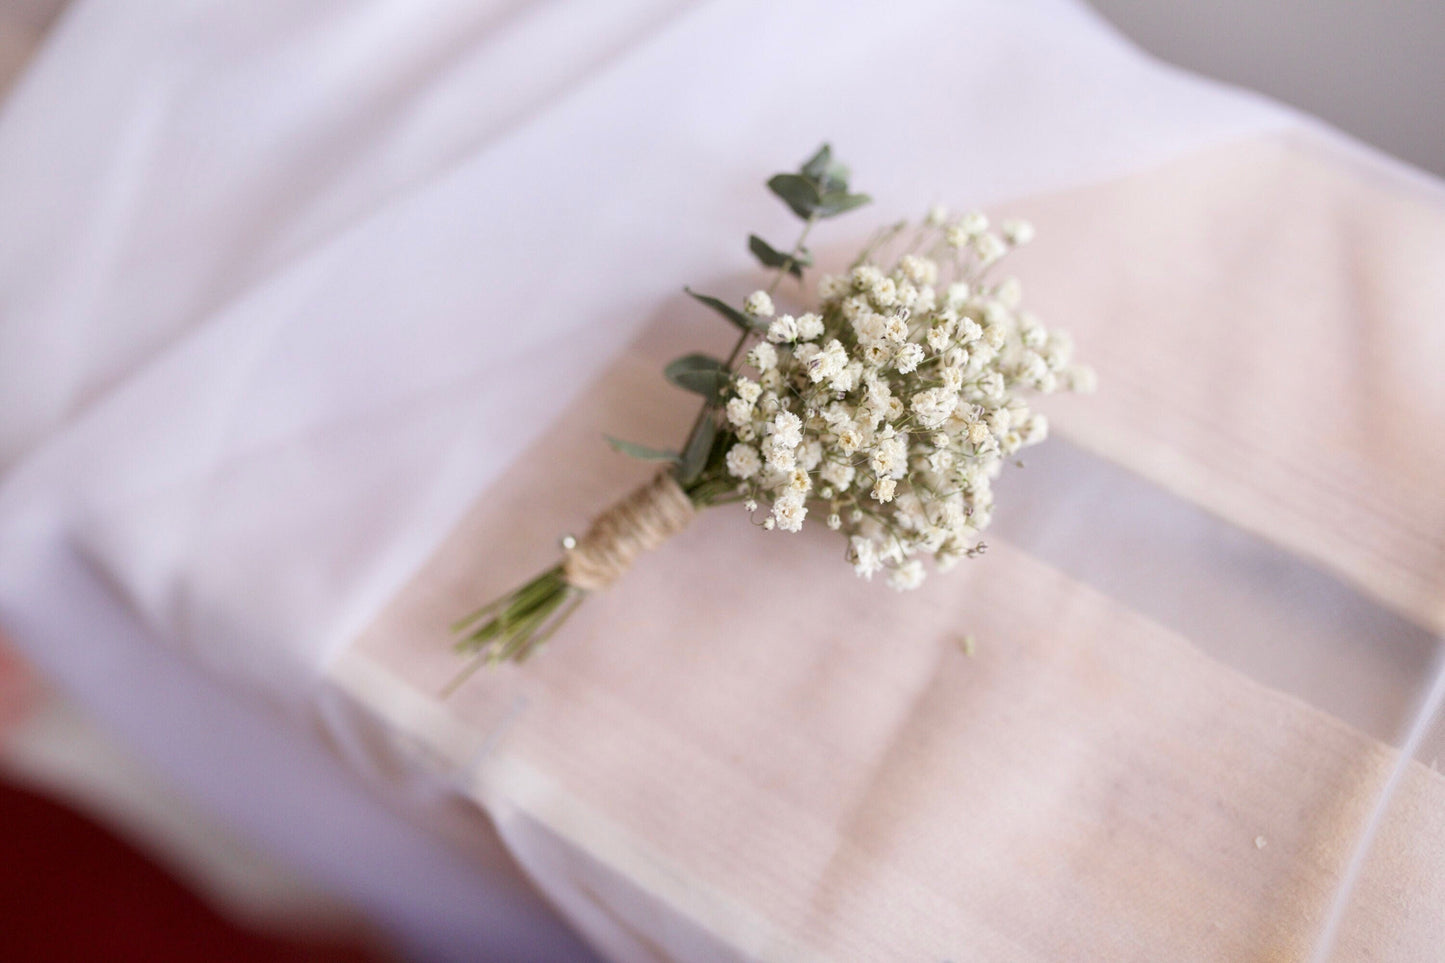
(699, 374)
(740, 320)
(819, 189)
(634, 450)
(699, 447)
(769, 256)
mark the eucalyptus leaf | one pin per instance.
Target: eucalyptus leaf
(840, 202)
(835, 179)
(798, 192)
(815, 167)
(634, 450)
(773, 258)
(694, 362)
(828, 175)
(699, 446)
(708, 382)
(732, 314)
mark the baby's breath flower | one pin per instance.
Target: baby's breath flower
(1082, 379)
(743, 461)
(933, 406)
(783, 329)
(763, 356)
(989, 248)
(888, 375)
(865, 278)
(918, 270)
(827, 363)
(973, 223)
(1009, 292)
(830, 288)
(863, 553)
(810, 327)
(810, 453)
(1017, 231)
(907, 576)
(839, 474)
(738, 412)
(908, 358)
(787, 429)
(759, 304)
(790, 510)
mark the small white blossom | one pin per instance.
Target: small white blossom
(908, 358)
(837, 473)
(918, 270)
(933, 406)
(783, 329)
(763, 356)
(1017, 231)
(790, 510)
(787, 429)
(989, 248)
(1081, 378)
(1009, 292)
(743, 461)
(907, 576)
(865, 278)
(759, 304)
(831, 288)
(810, 327)
(738, 412)
(883, 489)
(828, 363)
(864, 555)
(973, 223)
(810, 453)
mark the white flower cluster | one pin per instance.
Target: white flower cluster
(891, 407)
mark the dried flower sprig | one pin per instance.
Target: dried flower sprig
(889, 408)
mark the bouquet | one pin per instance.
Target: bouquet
(886, 408)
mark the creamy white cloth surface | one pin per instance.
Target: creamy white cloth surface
(284, 288)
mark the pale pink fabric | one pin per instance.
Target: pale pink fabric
(1269, 322)
(739, 751)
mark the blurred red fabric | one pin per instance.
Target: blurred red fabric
(69, 890)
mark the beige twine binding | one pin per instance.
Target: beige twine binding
(643, 520)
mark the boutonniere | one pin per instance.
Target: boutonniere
(884, 408)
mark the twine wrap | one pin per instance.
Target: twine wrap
(643, 520)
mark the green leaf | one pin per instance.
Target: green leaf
(699, 374)
(815, 167)
(699, 446)
(798, 192)
(634, 450)
(732, 314)
(827, 175)
(773, 258)
(840, 202)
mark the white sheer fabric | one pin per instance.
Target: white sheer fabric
(284, 288)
